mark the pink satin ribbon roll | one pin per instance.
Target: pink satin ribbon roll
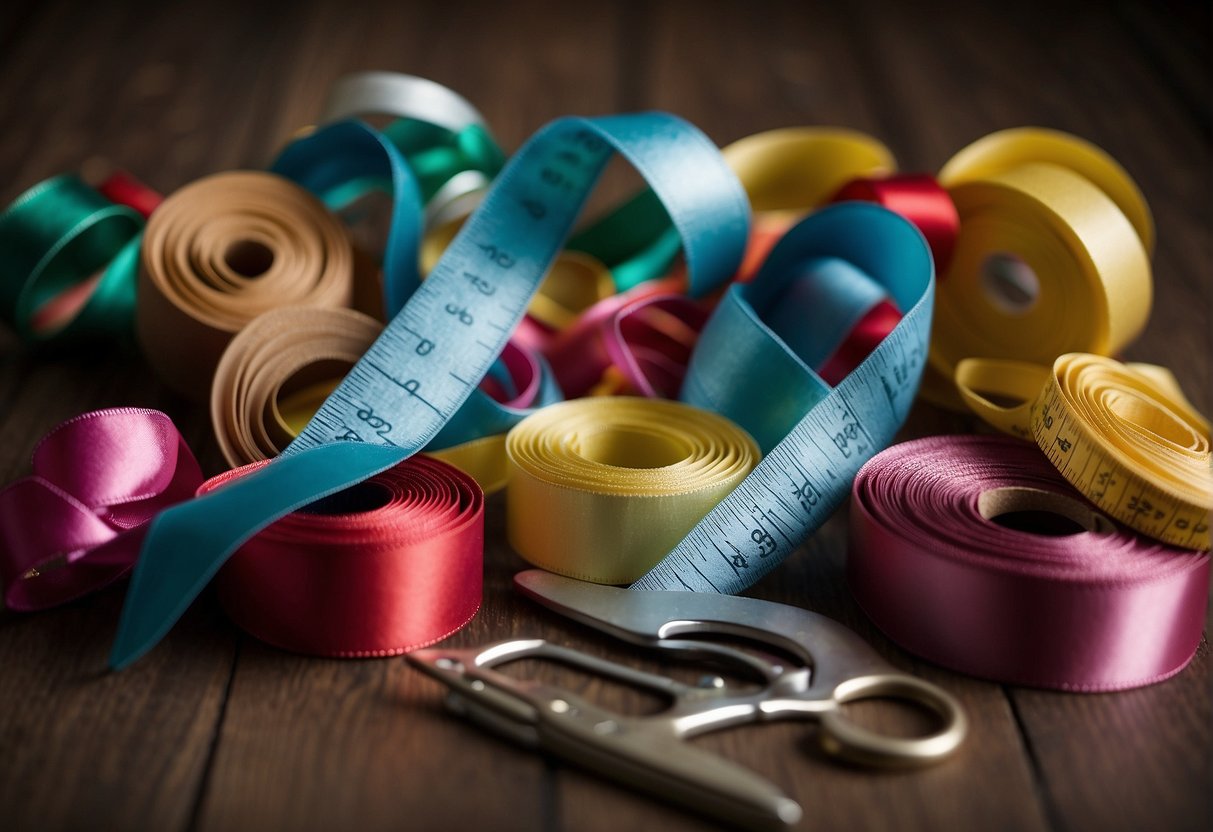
(75, 525)
(1097, 610)
(389, 566)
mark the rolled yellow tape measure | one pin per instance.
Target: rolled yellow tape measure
(601, 489)
(1123, 435)
(1052, 255)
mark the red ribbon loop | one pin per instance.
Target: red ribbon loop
(920, 199)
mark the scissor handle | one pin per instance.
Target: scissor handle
(843, 738)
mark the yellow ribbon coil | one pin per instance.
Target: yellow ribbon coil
(1052, 255)
(798, 168)
(600, 489)
(1123, 435)
(221, 251)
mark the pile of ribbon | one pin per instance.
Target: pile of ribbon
(674, 396)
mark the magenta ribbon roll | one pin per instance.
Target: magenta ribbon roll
(76, 523)
(936, 564)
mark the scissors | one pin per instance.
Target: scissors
(830, 665)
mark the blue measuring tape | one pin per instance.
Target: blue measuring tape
(815, 437)
(435, 350)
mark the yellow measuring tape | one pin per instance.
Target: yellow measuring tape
(1123, 435)
(601, 489)
(1052, 255)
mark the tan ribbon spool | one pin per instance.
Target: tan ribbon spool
(277, 371)
(223, 250)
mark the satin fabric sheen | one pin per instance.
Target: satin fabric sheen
(351, 579)
(75, 524)
(1091, 611)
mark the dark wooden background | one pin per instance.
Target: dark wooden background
(214, 731)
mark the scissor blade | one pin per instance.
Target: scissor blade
(668, 768)
(644, 617)
(634, 616)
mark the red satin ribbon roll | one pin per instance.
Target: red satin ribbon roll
(920, 199)
(388, 566)
(1097, 610)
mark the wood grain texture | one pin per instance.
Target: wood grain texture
(214, 731)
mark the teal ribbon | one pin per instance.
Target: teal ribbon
(57, 235)
(429, 358)
(753, 362)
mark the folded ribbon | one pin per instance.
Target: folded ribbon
(75, 525)
(920, 199)
(389, 566)
(1096, 608)
(67, 263)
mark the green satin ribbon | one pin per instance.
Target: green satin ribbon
(55, 237)
(637, 241)
(436, 154)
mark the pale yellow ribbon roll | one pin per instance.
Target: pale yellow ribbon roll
(601, 489)
(1052, 255)
(221, 251)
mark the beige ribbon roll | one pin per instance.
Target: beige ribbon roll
(223, 250)
(276, 372)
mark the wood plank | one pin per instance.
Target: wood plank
(88, 87)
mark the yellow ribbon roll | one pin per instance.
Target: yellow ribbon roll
(223, 250)
(601, 489)
(1052, 255)
(1123, 435)
(798, 168)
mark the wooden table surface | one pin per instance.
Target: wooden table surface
(215, 731)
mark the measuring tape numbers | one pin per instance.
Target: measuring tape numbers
(808, 471)
(433, 353)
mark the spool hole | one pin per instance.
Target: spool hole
(1009, 283)
(249, 258)
(363, 497)
(1036, 511)
(625, 448)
